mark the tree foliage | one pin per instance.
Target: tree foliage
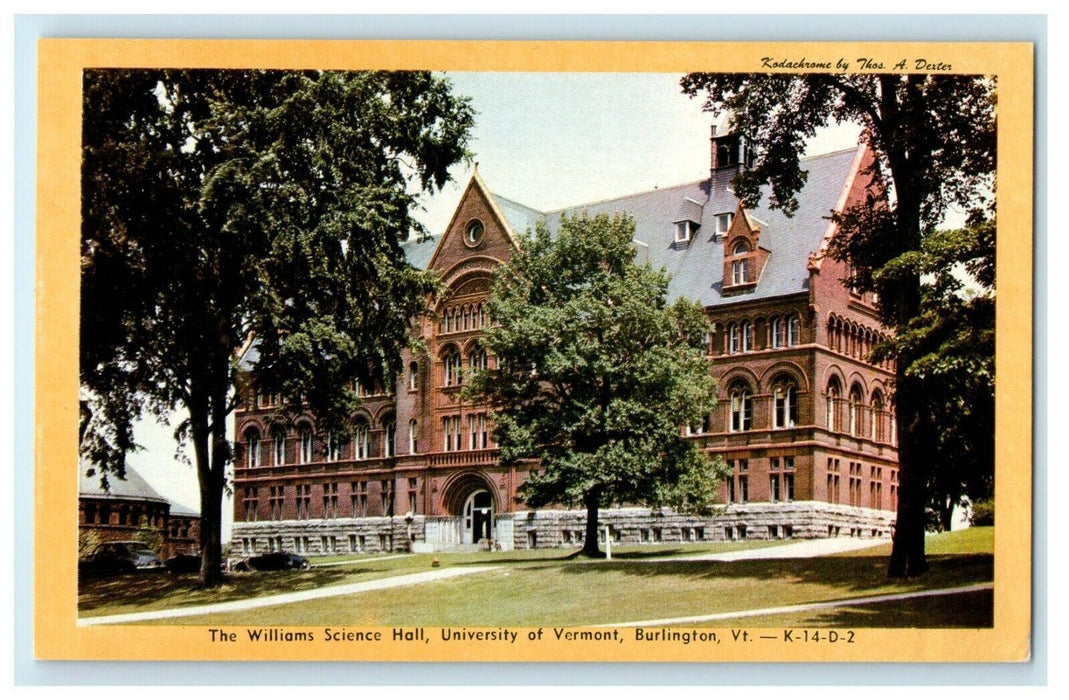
(596, 374)
(952, 341)
(222, 205)
(934, 139)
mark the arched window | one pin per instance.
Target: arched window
(855, 402)
(304, 446)
(793, 330)
(278, 448)
(779, 332)
(746, 333)
(252, 449)
(412, 436)
(389, 433)
(741, 404)
(876, 428)
(741, 247)
(477, 425)
(334, 442)
(477, 360)
(482, 316)
(451, 365)
(784, 403)
(834, 399)
(734, 344)
(456, 318)
(360, 441)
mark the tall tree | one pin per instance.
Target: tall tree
(596, 374)
(934, 141)
(218, 206)
(953, 341)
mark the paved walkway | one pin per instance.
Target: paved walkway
(284, 598)
(805, 607)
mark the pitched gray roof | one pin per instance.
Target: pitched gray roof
(133, 487)
(419, 253)
(697, 267)
(184, 511)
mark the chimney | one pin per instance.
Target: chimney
(712, 151)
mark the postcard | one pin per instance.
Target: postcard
(533, 351)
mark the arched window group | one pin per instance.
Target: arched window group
(463, 317)
(749, 407)
(784, 331)
(741, 406)
(853, 416)
(361, 441)
(740, 337)
(451, 365)
(305, 445)
(454, 364)
(784, 402)
(854, 340)
(776, 332)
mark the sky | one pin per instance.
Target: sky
(545, 140)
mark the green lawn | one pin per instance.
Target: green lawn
(545, 587)
(160, 591)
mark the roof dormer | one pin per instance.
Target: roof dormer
(744, 258)
(687, 220)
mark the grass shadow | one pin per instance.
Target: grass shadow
(129, 592)
(851, 574)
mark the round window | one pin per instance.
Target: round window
(474, 233)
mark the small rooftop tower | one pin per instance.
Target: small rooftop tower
(726, 149)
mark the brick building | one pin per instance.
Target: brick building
(130, 509)
(804, 420)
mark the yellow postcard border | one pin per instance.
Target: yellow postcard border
(60, 63)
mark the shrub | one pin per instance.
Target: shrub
(983, 513)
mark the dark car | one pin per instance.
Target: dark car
(120, 558)
(274, 561)
(183, 564)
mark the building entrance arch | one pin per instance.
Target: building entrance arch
(478, 518)
(469, 497)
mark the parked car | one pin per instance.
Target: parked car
(183, 564)
(120, 558)
(274, 561)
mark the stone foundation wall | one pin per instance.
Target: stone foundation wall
(753, 521)
(324, 537)
(564, 528)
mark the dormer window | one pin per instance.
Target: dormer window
(684, 231)
(738, 272)
(723, 223)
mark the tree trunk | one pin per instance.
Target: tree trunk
(590, 543)
(907, 552)
(211, 523)
(210, 475)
